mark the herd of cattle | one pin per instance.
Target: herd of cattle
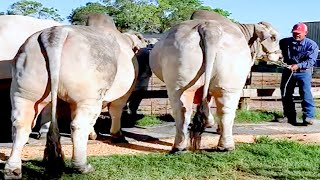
(94, 69)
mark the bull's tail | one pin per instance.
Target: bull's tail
(210, 35)
(52, 43)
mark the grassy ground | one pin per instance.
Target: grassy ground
(242, 116)
(149, 121)
(256, 116)
(265, 159)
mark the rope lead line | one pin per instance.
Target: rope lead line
(283, 65)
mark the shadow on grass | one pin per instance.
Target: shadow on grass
(144, 138)
(32, 169)
(103, 123)
(35, 169)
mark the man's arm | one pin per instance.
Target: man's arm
(311, 57)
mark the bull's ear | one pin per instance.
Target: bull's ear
(262, 31)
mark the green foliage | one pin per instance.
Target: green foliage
(149, 121)
(34, 9)
(78, 15)
(265, 159)
(146, 16)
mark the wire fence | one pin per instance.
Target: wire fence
(265, 81)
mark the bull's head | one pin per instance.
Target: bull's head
(268, 42)
(136, 39)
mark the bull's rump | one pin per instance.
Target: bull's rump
(88, 64)
(181, 65)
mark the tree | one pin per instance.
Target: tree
(34, 9)
(152, 16)
(78, 15)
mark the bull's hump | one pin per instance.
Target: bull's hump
(101, 47)
(188, 27)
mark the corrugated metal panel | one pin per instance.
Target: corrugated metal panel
(314, 31)
(314, 34)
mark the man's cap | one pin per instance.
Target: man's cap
(300, 28)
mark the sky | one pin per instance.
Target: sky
(282, 14)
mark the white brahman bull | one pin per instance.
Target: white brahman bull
(82, 65)
(203, 58)
(14, 30)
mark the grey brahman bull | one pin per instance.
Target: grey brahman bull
(201, 58)
(91, 68)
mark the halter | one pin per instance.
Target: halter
(255, 47)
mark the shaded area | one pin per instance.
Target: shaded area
(5, 111)
(139, 147)
(103, 123)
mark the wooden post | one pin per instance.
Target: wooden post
(244, 103)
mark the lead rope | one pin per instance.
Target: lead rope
(285, 86)
(284, 65)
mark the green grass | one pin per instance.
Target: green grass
(317, 114)
(242, 116)
(265, 159)
(149, 121)
(256, 116)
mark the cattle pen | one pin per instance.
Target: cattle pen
(262, 86)
(262, 91)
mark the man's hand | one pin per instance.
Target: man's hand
(294, 67)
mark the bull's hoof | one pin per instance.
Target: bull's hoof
(225, 149)
(85, 169)
(35, 135)
(13, 174)
(178, 151)
(93, 136)
(118, 139)
(219, 130)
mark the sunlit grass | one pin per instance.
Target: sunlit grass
(149, 121)
(256, 116)
(265, 159)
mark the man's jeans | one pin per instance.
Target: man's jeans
(303, 79)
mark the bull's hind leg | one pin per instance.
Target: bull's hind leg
(23, 115)
(115, 110)
(182, 111)
(227, 102)
(84, 116)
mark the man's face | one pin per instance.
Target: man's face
(299, 36)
